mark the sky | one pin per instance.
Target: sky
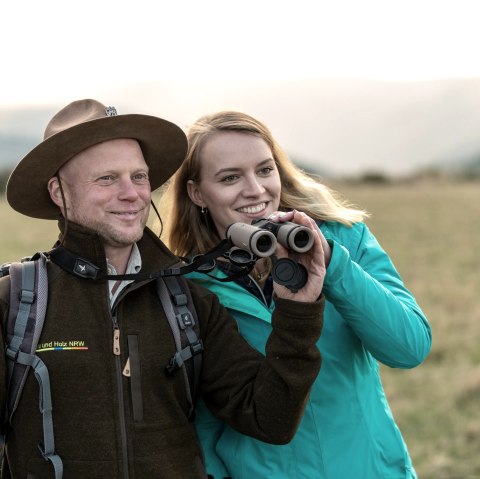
(56, 50)
(351, 84)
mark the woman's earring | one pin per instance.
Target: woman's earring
(204, 210)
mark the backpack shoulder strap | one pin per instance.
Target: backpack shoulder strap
(177, 302)
(28, 305)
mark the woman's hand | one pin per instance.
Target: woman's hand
(315, 260)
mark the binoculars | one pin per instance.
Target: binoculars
(261, 236)
(260, 239)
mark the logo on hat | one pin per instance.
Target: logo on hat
(111, 111)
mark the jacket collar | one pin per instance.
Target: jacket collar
(87, 244)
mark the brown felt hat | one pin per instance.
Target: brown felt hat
(82, 124)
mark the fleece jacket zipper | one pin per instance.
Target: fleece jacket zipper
(121, 404)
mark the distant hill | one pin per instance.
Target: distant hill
(467, 167)
(336, 127)
(20, 130)
(473, 166)
(13, 148)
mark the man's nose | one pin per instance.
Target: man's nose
(128, 189)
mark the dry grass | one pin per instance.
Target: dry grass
(21, 236)
(432, 233)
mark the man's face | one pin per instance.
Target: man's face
(107, 189)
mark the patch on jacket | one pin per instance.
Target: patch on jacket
(61, 346)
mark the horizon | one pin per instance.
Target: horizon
(340, 127)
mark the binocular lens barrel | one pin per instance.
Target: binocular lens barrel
(290, 235)
(295, 237)
(251, 238)
(261, 237)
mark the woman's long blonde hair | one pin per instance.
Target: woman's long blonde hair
(188, 231)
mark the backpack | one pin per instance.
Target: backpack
(28, 304)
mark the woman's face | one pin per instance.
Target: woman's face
(239, 180)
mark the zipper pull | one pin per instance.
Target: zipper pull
(126, 369)
(116, 341)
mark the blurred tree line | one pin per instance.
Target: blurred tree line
(469, 171)
(4, 174)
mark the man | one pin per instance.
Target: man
(115, 413)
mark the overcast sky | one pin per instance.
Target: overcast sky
(56, 50)
(289, 63)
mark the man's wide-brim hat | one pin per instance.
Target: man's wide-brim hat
(82, 124)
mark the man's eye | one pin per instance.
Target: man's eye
(141, 178)
(106, 178)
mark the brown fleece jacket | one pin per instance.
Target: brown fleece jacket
(102, 430)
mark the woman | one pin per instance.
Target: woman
(236, 172)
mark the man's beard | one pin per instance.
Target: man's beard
(113, 237)
(110, 234)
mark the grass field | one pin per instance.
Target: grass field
(432, 232)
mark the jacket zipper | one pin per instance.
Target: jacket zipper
(121, 404)
(260, 290)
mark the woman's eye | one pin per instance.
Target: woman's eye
(266, 171)
(229, 178)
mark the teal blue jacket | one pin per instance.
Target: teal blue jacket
(348, 430)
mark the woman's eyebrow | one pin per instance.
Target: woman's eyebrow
(234, 169)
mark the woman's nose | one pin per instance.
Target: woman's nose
(253, 187)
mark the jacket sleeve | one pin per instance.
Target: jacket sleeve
(368, 292)
(263, 397)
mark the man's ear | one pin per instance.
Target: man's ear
(55, 191)
(194, 193)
